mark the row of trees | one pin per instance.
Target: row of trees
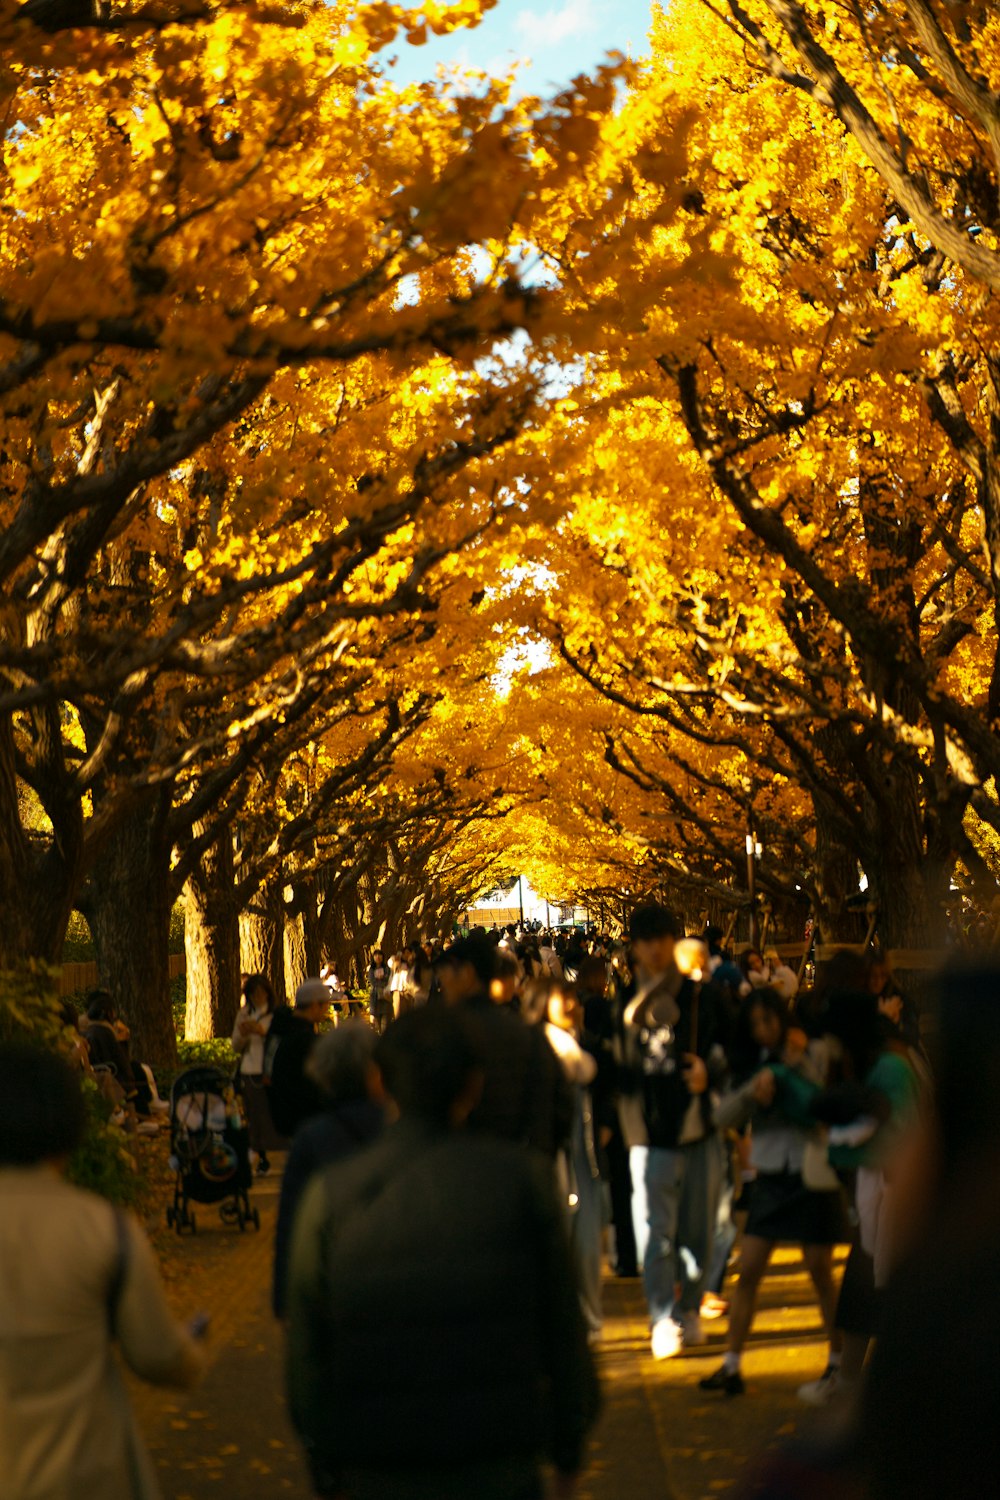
(404, 487)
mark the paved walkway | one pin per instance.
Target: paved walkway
(659, 1435)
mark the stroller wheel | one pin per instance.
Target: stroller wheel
(171, 1217)
(255, 1216)
(241, 1220)
(193, 1222)
(228, 1212)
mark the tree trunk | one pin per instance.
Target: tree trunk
(128, 907)
(897, 863)
(296, 966)
(212, 945)
(38, 877)
(836, 879)
(262, 938)
(312, 928)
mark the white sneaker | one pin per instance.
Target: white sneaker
(692, 1329)
(822, 1391)
(668, 1339)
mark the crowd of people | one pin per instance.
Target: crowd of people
(518, 1111)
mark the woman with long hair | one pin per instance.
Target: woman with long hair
(773, 1081)
(250, 1041)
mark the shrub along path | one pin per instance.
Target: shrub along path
(659, 1435)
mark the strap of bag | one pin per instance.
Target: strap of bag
(117, 1283)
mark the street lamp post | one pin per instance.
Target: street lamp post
(751, 875)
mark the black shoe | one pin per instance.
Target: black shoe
(724, 1380)
(263, 1167)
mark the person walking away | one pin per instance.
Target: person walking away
(293, 1095)
(436, 1347)
(525, 1096)
(342, 1064)
(674, 1151)
(250, 1036)
(77, 1278)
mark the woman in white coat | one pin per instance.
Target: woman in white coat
(76, 1277)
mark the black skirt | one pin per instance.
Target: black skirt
(783, 1209)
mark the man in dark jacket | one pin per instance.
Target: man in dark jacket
(674, 1152)
(294, 1096)
(342, 1064)
(436, 1347)
(525, 1096)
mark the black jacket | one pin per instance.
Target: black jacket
(675, 1018)
(434, 1320)
(292, 1096)
(338, 1132)
(526, 1098)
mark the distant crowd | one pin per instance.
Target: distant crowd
(509, 1119)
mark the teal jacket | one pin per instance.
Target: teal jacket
(893, 1078)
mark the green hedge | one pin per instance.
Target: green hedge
(30, 1011)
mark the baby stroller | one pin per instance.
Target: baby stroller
(209, 1150)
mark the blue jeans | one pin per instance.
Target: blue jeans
(674, 1196)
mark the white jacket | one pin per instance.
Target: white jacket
(66, 1426)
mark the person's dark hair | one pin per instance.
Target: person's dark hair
(479, 951)
(652, 920)
(852, 1016)
(41, 1106)
(426, 1058)
(341, 1060)
(255, 982)
(843, 970)
(744, 959)
(592, 974)
(507, 966)
(100, 1006)
(746, 1058)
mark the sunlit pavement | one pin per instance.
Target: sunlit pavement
(659, 1435)
(662, 1436)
